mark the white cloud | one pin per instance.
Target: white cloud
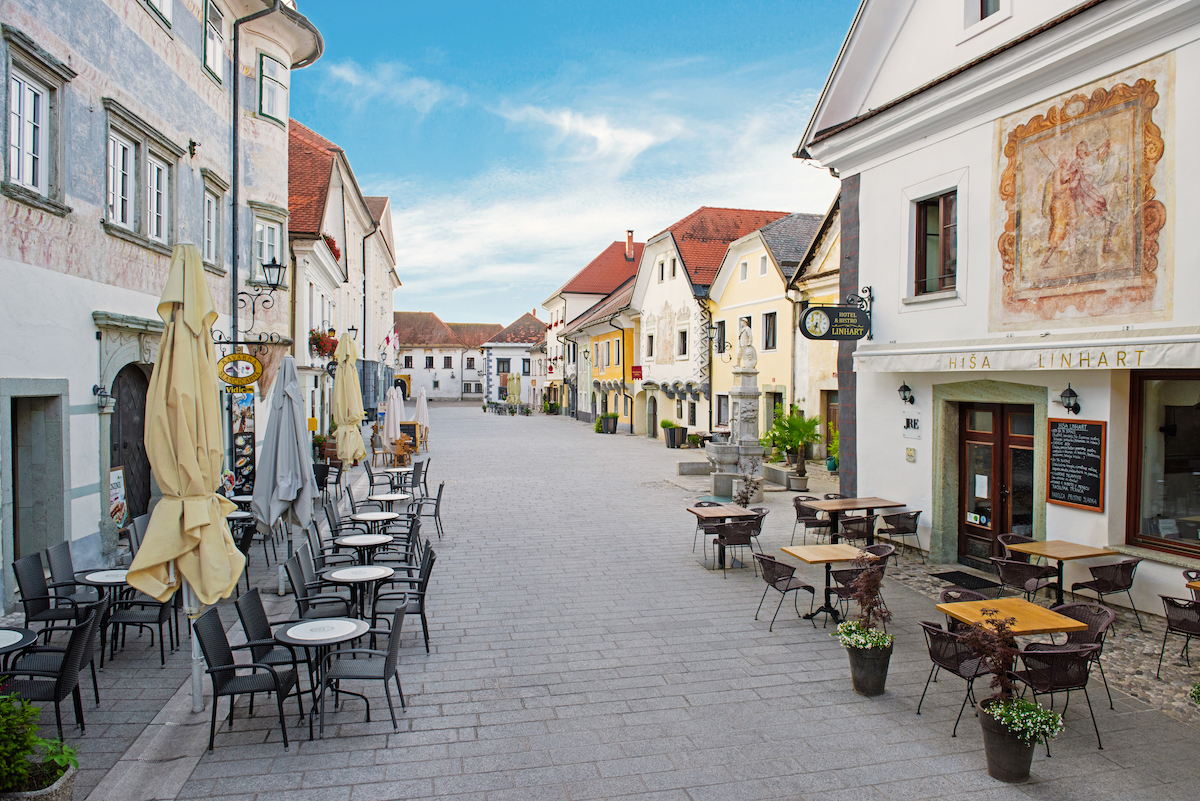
(391, 82)
(593, 137)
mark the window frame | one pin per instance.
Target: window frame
(674, 267)
(470, 363)
(211, 228)
(447, 362)
(257, 260)
(946, 279)
(649, 346)
(158, 199)
(146, 143)
(263, 58)
(507, 365)
(525, 366)
(722, 406)
(163, 10)
(33, 157)
(682, 346)
(762, 266)
(662, 268)
(269, 215)
(128, 220)
(770, 331)
(743, 271)
(215, 186)
(408, 362)
(429, 363)
(217, 56)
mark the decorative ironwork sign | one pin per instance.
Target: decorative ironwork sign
(851, 321)
(239, 369)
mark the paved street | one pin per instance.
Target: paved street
(579, 651)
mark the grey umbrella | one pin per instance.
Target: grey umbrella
(284, 486)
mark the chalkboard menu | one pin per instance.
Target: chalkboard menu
(1075, 469)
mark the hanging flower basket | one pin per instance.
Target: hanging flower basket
(321, 343)
(332, 244)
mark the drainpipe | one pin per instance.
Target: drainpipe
(624, 392)
(562, 402)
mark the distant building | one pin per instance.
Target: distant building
(507, 352)
(447, 360)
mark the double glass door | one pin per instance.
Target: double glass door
(996, 470)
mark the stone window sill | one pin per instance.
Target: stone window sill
(215, 269)
(31, 198)
(1154, 555)
(135, 238)
(931, 297)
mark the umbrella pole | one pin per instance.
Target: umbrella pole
(192, 605)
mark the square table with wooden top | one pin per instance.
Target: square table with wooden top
(824, 555)
(720, 514)
(1029, 618)
(1193, 585)
(1060, 551)
(838, 505)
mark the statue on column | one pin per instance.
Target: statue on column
(747, 356)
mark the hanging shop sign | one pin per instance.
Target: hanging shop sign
(117, 507)
(849, 322)
(1075, 469)
(239, 369)
(242, 409)
(636, 372)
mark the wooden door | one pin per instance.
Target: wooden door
(996, 473)
(128, 429)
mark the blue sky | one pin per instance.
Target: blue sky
(516, 141)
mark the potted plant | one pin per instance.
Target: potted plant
(319, 441)
(674, 434)
(868, 648)
(24, 773)
(831, 454)
(792, 433)
(1011, 725)
(321, 343)
(693, 440)
(608, 422)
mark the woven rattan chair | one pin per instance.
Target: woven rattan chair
(953, 595)
(704, 528)
(833, 496)
(40, 604)
(34, 683)
(861, 527)
(782, 579)
(845, 577)
(1098, 619)
(1024, 577)
(1111, 579)
(1188, 577)
(223, 671)
(737, 534)
(412, 600)
(1049, 672)
(310, 604)
(264, 648)
(901, 526)
(882, 550)
(47, 659)
(142, 612)
(1006, 540)
(62, 575)
(948, 652)
(809, 518)
(366, 664)
(1183, 618)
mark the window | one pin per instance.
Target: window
(988, 7)
(769, 331)
(691, 413)
(436, 384)
(479, 389)
(502, 393)
(936, 244)
(661, 269)
(466, 388)
(672, 268)
(211, 207)
(470, 362)
(273, 81)
(120, 181)
(722, 410)
(679, 409)
(428, 362)
(683, 343)
(1164, 434)
(608, 349)
(617, 353)
(762, 266)
(447, 362)
(214, 40)
(650, 346)
(27, 133)
(720, 336)
(267, 239)
(524, 366)
(157, 201)
(503, 366)
(743, 271)
(163, 8)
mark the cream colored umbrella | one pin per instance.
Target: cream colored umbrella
(514, 388)
(347, 402)
(187, 538)
(393, 416)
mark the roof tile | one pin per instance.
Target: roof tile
(525, 330)
(310, 165)
(606, 272)
(703, 236)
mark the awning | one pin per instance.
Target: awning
(1103, 350)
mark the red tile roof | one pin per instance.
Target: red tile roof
(472, 335)
(608, 307)
(606, 272)
(526, 330)
(703, 236)
(310, 165)
(423, 328)
(376, 205)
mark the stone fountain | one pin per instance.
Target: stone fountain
(743, 445)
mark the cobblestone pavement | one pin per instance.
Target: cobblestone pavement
(580, 650)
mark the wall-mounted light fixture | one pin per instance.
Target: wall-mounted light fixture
(587, 354)
(906, 394)
(1070, 400)
(103, 399)
(353, 332)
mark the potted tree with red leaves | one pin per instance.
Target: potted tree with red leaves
(868, 647)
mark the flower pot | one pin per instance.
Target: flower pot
(868, 669)
(674, 437)
(1008, 756)
(608, 425)
(831, 463)
(798, 483)
(61, 790)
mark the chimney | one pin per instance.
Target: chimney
(629, 246)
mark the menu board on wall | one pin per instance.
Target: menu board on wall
(243, 442)
(117, 507)
(1075, 469)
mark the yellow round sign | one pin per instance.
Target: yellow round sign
(239, 369)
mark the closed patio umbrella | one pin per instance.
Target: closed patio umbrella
(284, 485)
(187, 538)
(392, 418)
(422, 414)
(514, 388)
(347, 402)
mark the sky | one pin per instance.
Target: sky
(517, 140)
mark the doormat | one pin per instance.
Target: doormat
(965, 580)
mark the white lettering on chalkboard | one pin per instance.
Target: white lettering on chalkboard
(1075, 468)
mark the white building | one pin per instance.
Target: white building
(447, 360)
(507, 353)
(1015, 196)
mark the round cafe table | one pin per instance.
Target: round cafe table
(243, 501)
(14, 639)
(396, 475)
(374, 520)
(388, 498)
(360, 580)
(316, 637)
(109, 583)
(364, 545)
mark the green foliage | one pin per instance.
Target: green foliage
(19, 742)
(665, 424)
(693, 440)
(832, 450)
(610, 415)
(790, 433)
(1027, 720)
(598, 426)
(1194, 693)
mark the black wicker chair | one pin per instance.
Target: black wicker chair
(1024, 577)
(901, 526)
(142, 612)
(264, 648)
(1014, 539)
(1188, 577)
(844, 577)
(412, 600)
(736, 534)
(781, 578)
(861, 527)
(348, 664)
(33, 683)
(309, 604)
(62, 575)
(948, 652)
(1049, 672)
(223, 671)
(1183, 618)
(954, 595)
(761, 512)
(1098, 619)
(1110, 579)
(809, 518)
(704, 528)
(40, 604)
(47, 658)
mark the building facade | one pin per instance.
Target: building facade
(506, 353)
(1012, 195)
(447, 360)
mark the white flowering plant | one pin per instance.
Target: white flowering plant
(1026, 719)
(853, 634)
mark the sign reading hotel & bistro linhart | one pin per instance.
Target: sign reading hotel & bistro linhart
(1075, 469)
(835, 322)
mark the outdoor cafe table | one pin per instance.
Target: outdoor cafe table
(374, 519)
(243, 501)
(719, 514)
(319, 636)
(364, 544)
(14, 639)
(388, 498)
(1028, 618)
(838, 505)
(824, 555)
(359, 579)
(1060, 551)
(106, 582)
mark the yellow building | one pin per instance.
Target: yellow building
(751, 289)
(605, 337)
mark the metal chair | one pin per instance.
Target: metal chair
(223, 671)
(1098, 619)
(310, 605)
(46, 659)
(901, 526)
(436, 514)
(362, 506)
(704, 528)
(781, 578)
(35, 684)
(1183, 618)
(1188, 577)
(338, 527)
(142, 612)
(844, 577)
(264, 648)
(761, 512)
(1014, 539)
(882, 550)
(40, 605)
(1024, 577)
(1110, 579)
(1049, 672)
(412, 600)
(861, 527)
(384, 480)
(416, 480)
(953, 595)
(62, 575)
(425, 462)
(948, 652)
(833, 496)
(345, 664)
(809, 518)
(736, 534)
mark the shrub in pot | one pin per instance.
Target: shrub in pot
(609, 422)
(1011, 725)
(868, 648)
(24, 773)
(673, 434)
(831, 457)
(693, 440)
